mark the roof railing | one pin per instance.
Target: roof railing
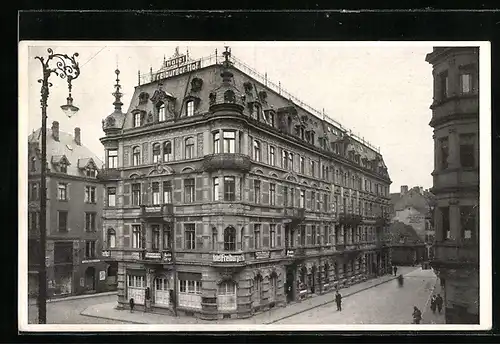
(218, 59)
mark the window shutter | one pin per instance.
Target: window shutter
(177, 149)
(309, 234)
(68, 188)
(279, 194)
(250, 236)
(145, 153)
(177, 190)
(199, 235)
(265, 192)
(126, 194)
(199, 189)
(308, 199)
(250, 191)
(278, 235)
(145, 192)
(265, 235)
(126, 241)
(199, 145)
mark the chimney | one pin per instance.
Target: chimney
(404, 189)
(55, 130)
(78, 138)
(421, 190)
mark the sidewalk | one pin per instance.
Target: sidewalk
(33, 301)
(108, 311)
(433, 318)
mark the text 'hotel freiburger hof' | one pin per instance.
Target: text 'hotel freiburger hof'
(225, 197)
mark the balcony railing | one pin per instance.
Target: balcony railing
(293, 214)
(159, 210)
(350, 219)
(226, 161)
(455, 254)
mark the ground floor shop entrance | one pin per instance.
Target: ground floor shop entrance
(90, 279)
(161, 292)
(289, 284)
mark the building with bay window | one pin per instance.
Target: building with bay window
(455, 119)
(226, 197)
(74, 210)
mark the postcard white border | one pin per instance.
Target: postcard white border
(485, 195)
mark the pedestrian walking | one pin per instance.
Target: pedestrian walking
(433, 303)
(417, 315)
(132, 304)
(395, 269)
(439, 303)
(338, 300)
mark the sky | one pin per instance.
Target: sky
(380, 92)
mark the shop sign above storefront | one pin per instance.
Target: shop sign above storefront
(152, 255)
(167, 257)
(91, 261)
(290, 253)
(262, 254)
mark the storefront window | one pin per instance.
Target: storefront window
(190, 293)
(226, 296)
(136, 288)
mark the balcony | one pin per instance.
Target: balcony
(109, 174)
(349, 219)
(294, 215)
(455, 255)
(157, 211)
(226, 161)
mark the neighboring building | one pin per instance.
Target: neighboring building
(455, 119)
(231, 198)
(74, 209)
(415, 207)
(407, 248)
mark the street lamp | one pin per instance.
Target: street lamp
(66, 68)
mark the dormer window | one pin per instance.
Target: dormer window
(161, 112)
(91, 172)
(271, 119)
(63, 168)
(137, 119)
(189, 108)
(302, 133)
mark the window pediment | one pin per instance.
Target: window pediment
(161, 95)
(60, 160)
(87, 163)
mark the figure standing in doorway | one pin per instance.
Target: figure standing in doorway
(395, 269)
(439, 302)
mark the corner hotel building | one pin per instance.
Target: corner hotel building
(226, 196)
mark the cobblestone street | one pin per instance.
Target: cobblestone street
(385, 304)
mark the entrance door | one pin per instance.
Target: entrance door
(161, 292)
(289, 284)
(90, 279)
(313, 279)
(287, 236)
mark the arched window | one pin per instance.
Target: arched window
(111, 238)
(226, 296)
(230, 239)
(229, 96)
(161, 112)
(216, 141)
(137, 119)
(136, 156)
(256, 150)
(258, 290)
(189, 148)
(156, 152)
(214, 239)
(167, 151)
(273, 287)
(190, 108)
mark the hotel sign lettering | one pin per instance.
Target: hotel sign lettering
(176, 61)
(188, 67)
(228, 258)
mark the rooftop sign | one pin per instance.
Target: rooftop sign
(176, 66)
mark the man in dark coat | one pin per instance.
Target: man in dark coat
(439, 302)
(433, 304)
(417, 315)
(132, 304)
(338, 300)
(395, 268)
